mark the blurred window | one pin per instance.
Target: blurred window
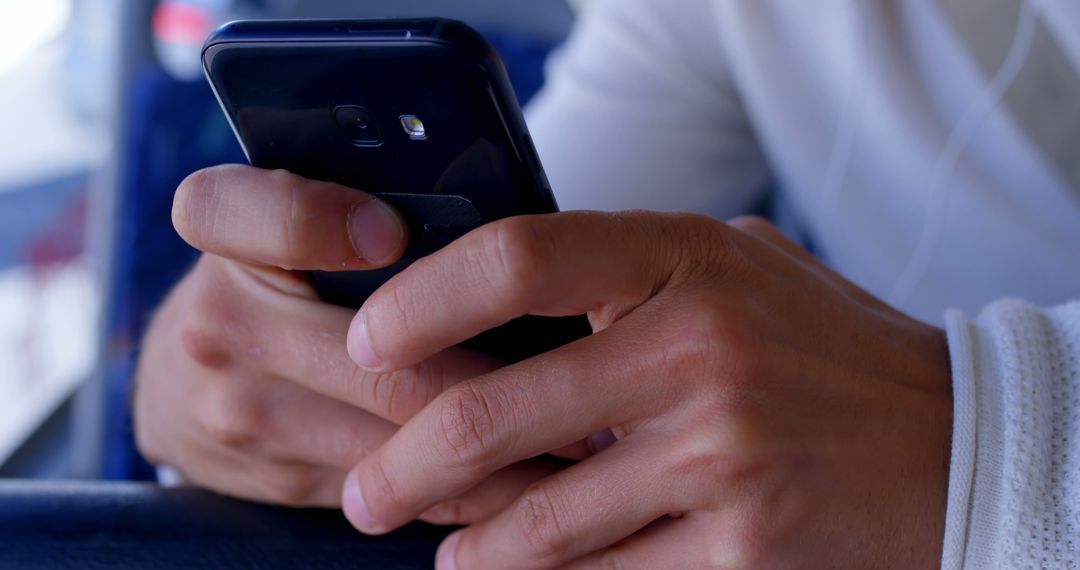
(56, 81)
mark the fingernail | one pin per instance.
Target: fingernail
(602, 440)
(352, 501)
(359, 342)
(446, 558)
(375, 231)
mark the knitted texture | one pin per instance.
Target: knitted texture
(1014, 496)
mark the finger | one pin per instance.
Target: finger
(485, 424)
(278, 420)
(587, 447)
(582, 509)
(492, 495)
(669, 543)
(257, 479)
(525, 265)
(280, 219)
(578, 450)
(311, 352)
(303, 340)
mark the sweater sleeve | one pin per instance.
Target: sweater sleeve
(1014, 487)
(641, 111)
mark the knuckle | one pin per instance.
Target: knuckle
(467, 425)
(200, 321)
(398, 396)
(520, 251)
(537, 522)
(711, 345)
(738, 546)
(705, 337)
(204, 345)
(382, 391)
(212, 327)
(754, 225)
(703, 247)
(231, 415)
(297, 219)
(764, 231)
(733, 453)
(697, 460)
(281, 178)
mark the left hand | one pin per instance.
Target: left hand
(767, 412)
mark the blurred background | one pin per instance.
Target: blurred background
(103, 110)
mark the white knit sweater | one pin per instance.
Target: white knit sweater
(903, 162)
(1014, 489)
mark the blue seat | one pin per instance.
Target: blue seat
(132, 525)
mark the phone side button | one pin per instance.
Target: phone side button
(534, 158)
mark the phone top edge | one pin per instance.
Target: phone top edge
(322, 30)
(444, 32)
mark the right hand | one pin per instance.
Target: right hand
(244, 383)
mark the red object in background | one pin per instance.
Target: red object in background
(63, 241)
(182, 23)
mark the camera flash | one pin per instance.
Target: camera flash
(414, 127)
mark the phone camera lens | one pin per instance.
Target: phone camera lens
(357, 124)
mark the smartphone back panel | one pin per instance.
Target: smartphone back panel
(418, 112)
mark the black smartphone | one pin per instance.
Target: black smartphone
(418, 112)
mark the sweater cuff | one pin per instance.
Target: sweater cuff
(1016, 392)
(977, 514)
(962, 461)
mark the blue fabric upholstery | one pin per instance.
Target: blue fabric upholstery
(173, 129)
(59, 525)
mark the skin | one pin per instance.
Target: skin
(768, 413)
(750, 408)
(244, 384)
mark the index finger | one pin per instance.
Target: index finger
(279, 219)
(551, 265)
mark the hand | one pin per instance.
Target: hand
(767, 412)
(245, 385)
